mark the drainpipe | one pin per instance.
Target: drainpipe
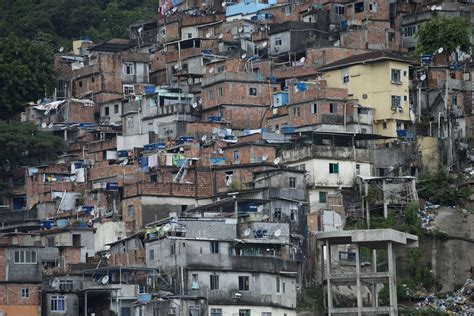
(345, 117)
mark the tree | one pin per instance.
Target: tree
(25, 145)
(26, 73)
(448, 33)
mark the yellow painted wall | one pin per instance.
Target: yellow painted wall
(374, 80)
(20, 310)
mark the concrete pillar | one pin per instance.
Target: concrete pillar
(85, 303)
(367, 210)
(359, 285)
(385, 200)
(392, 272)
(328, 276)
(375, 302)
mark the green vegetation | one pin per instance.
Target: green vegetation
(26, 73)
(312, 300)
(441, 188)
(448, 33)
(64, 20)
(23, 145)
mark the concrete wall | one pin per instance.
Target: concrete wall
(108, 232)
(71, 303)
(254, 310)
(27, 272)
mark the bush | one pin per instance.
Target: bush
(441, 188)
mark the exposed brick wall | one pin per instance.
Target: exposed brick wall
(10, 294)
(134, 257)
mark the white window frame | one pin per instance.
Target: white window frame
(128, 68)
(25, 292)
(22, 257)
(57, 298)
(128, 89)
(393, 78)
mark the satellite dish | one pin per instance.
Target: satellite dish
(194, 105)
(247, 232)
(108, 255)
(208, 35)
(61, 49)
(211, 70)
(264, 44)
(55, 283)
(264, 157)
(43, 125)
(104, 280)
(276, 161)
(125, 162)
(224, 4)
(241, 29)
(277, 233)
(221, 36)
(203, 138)
(200, 101)
(243, 56)
(174, 9)
(440, 50)
(221, 151)
(167, 227)
(140, 29)
(176, 66)
(229, 181)
(50, 125)
(423, 77)
(46, 112)
(302, 59)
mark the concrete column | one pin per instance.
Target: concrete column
(322, 262)
(367, 210)
(375, 302)
(392, 280)
(385, 200)
(85, 303)
(359, 292)
(328, 276)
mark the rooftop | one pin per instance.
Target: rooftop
(366, 58)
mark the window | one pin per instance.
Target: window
(244, 312)
(128, 69)
(220, 91)
(130, 122)
(278, 41)
(293, 214)
(314, 108)
(58, 303)
(277, 214)
(128, 89)
(190, 35)
(340, 9)
(323, 197)
(288, 10)
(116, 108)
(214, 280)
(80, 84)
(292, 181)
(399, 125)
(221, 68)
(125, 311)
(25, 292)
(66, 285)
(405, 98)
(214, 247)
(373, 7)
(236, 156)
(51, 241)
(409, 31)
(396, 102)
(278, 284)
(194, 310)
(243, 283)
(210, 94)
(333, 168)
(345, 78)
(384, 125)
(359, 7)
(296, 111)
(172, 311)
(25, 256)
(253, 92)
(454, 100)
(131, 211)
(283, 287)
(172, 249)
(106, 111)
(93, 79)
(391, 37)
(216, 311)
(332, 108)
(357, 168)
(266, 314)
(396, 76)
(152, 254)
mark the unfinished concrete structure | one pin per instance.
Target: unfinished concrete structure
(332, 275)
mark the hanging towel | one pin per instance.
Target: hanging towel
(153, 160)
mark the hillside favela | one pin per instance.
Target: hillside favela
(236, 157)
